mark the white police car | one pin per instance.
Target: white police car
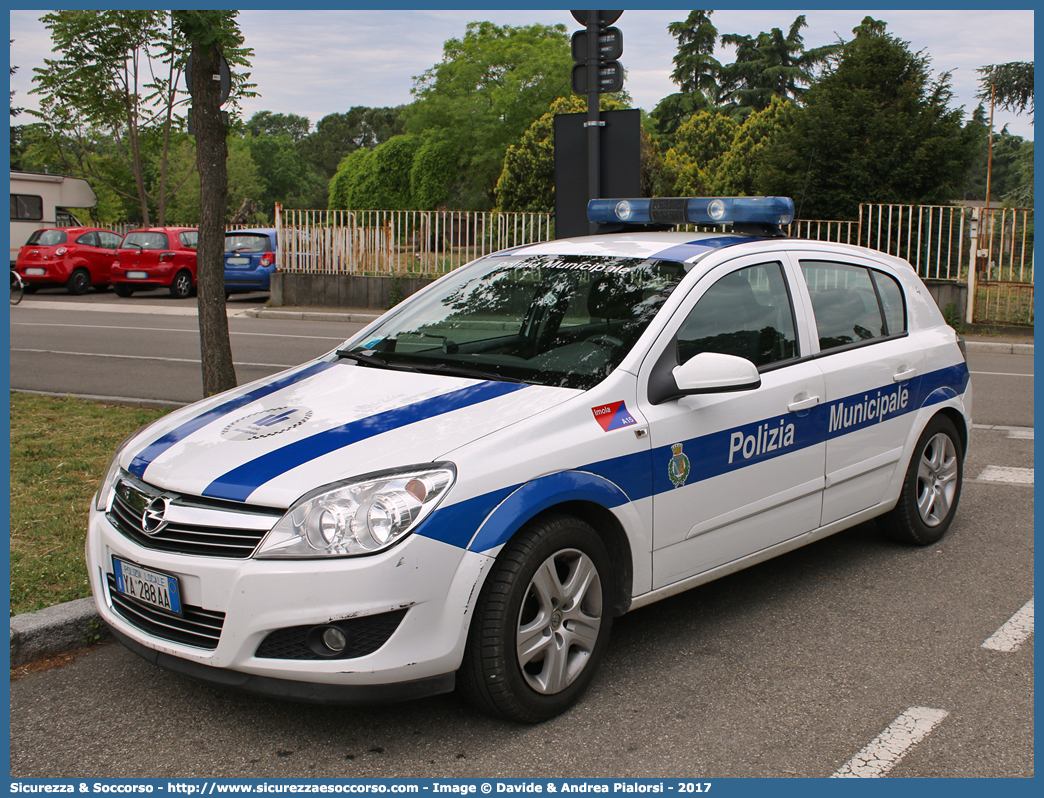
(470, 490)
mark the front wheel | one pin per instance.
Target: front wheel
(931, 488)
(541, 622)
(181, 288)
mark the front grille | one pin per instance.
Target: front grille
(188, 524)
(365, 635)
(196, 627)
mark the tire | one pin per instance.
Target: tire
(79, 282)
(181, 286)
(931, 489)
(122, 289)
(551, 586)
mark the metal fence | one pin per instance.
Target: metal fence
(991, 251)
(403, 243)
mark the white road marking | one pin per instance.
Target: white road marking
(144, 357)
(1000, 374)
(1010, 474)
(193, 330)
(1021, 434)
(888, 748)
(1015, 632)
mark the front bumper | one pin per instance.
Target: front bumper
(434, 582)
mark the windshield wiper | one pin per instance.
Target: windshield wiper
(459, 371)
(367, 359)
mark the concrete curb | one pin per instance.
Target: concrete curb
(1000, 348)
(54, 630)
(310, 315)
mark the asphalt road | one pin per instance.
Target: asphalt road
(787, 669)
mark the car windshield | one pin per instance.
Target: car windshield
(247, 242)
(565, 321)
(47, 238)
(144, 240)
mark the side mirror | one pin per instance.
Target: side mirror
(711, 372)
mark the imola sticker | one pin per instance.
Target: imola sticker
(613, 416)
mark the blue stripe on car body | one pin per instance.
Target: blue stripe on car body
(240, 482)
(146, 456)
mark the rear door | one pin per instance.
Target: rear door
(871, 368)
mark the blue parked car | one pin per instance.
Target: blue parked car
(250, 260)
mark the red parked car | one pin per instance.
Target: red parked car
(76, 257)
(156, 257)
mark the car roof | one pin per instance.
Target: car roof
(271, 231)
(161, 230)
(691, 247)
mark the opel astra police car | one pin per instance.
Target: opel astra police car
(468, 491)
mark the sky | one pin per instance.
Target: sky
(316, 62)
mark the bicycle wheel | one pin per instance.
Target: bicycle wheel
(17, 289)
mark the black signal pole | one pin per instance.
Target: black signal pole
(594, 123)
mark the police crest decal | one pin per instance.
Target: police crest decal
(678, 469)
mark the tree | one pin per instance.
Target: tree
(265, 123)
(696, 72)
(1010, 84)
(490, 86)
(527, 179)
(874, 128)
(213, 35)
(769, 65)
(337, 135)
(116, 76)
(700, 143)
(377, 179)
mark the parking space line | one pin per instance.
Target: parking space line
(886, 750)
(1009, 474)
(1015, 632)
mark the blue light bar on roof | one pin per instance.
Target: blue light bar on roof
(692, 210)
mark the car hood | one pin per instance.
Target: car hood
(270, 442)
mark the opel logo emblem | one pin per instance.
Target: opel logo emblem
(152, 520)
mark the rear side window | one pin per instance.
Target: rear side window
(189, 238)
(247, 242)
(26, 207)
(145, 240)
(47, 238)
(88, 239)
(746, 313)
(852, 304)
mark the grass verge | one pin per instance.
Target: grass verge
(60, 449)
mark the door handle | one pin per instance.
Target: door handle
(899, 376)
(803, 404)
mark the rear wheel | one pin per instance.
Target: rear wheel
(182, 285)
(122, 289)
(931, 489)
(79, 282)
(541, 623)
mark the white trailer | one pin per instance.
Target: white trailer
(42, 201)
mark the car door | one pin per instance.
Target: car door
(106, 254)
(738, 472)
(871, 369)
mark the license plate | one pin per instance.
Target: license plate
(238, 261)
(36, 271)
(137, 275)
(149, 587)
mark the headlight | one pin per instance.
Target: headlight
(104, 494)
(362, 515)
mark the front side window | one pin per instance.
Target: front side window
(26, 207)
(109, 240)
(88, 239)
(565, 321)
(747, 313)
(847, 304)
(189, 238)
